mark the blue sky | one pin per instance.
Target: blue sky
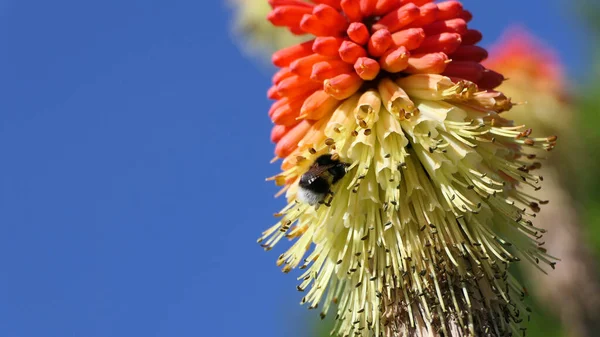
(134, 143)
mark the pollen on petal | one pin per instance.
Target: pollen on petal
(395, 99)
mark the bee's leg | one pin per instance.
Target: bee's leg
(328, 198)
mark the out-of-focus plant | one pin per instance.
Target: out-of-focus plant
(590, 11)
(588, 126)
(537, 83)
(256, 34)
(536, 78)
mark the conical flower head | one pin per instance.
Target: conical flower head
(416, 237)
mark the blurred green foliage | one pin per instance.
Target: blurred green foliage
(588, 131)
(589, 179)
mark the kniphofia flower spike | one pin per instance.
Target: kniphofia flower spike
(420, 232)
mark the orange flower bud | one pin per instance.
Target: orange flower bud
(342, 86)
(303, 66)
(399, 18)
(328, 69)
(395, 60)
(410, 38)
(352, 9)
(366, 68)
(285, 56)
(433, 63)
(444, 42)
(449, 26)
(327, 45)
(469, 53)
(318, 105)
(471, 71)
(288, 143)
(428, 14)
(350, 52)
(289, 16)
(471, 37)
(358, 32)
(379, 42)
(449, 10)
(367, 7)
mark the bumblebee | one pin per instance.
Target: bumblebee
(315, 184)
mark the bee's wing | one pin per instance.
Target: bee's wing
(316, 171)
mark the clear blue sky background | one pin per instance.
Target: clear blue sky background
(134, 143)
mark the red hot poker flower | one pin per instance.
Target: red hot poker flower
(406, 187)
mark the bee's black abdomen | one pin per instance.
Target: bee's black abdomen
(315, 184)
